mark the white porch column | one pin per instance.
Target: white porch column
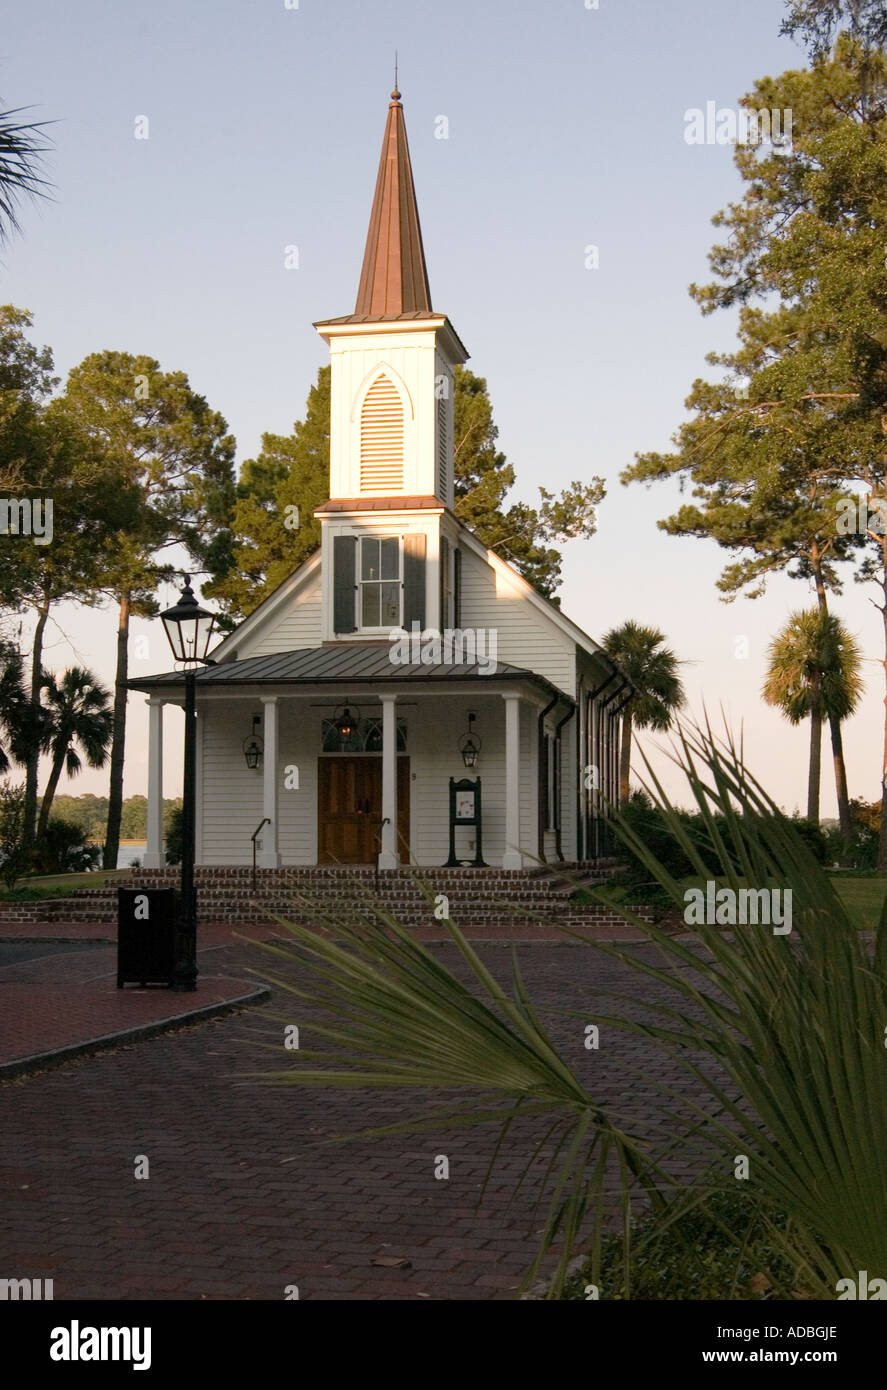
(269, 855)
(389, 858)
(513, 859)
(154, 850)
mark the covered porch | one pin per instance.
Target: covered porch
(379, 794)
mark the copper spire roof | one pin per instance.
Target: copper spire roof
(393, 279)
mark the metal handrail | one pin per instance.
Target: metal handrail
(254, 837)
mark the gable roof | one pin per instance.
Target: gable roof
(226, 650)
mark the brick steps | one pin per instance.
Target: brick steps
(475, 897)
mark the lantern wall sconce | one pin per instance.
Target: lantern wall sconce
(254, 746)
(470, 744)
(346, 720)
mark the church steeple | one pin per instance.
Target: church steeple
(394, 280)
(393, 370)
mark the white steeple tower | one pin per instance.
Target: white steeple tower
(391, 414)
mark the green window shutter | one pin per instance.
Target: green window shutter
(457, 587)
(344, 583)
(414, 580)
(443, 567)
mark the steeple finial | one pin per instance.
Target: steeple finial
(393, 279)
(395, 95)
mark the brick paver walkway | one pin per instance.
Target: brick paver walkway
(70, 999)
(244, 1197)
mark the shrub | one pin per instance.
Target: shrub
(813, 835)
(862, 851)
(723, 1249)
(64, 849)
(12, 821)
(174, 836)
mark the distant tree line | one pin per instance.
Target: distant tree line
(90, 814)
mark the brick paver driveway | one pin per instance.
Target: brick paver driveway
(242, 1198)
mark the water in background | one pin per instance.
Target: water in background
(128, 854)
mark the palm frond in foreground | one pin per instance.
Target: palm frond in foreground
(781, 1035)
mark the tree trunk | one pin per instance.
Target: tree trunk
(882, 845)
(625, 757)
(815, 753)
(840, 780)
(834, 724)
(33, 762)
(57, 765)
(118, 739)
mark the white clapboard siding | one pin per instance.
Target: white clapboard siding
(525, 636)
(232, 800)
(231, 804)
(435, 758)
(296, 625)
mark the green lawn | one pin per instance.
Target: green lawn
(58, 885)
(863, 897)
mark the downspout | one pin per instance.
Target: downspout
(583, 713)
(540, 773)
(615, 715)
(594, 724)
(609, 700)
(557, 822)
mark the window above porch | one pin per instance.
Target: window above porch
(365, 737)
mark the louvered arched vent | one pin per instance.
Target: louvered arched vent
(381, 439)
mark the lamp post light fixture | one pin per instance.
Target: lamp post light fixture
(254, 746)
(470, 744)
(189, 629)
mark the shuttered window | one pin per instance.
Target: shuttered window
(413, 580)
(446, 584)
(381, 439)
(344, 583)
(380, 581)
(442, 449)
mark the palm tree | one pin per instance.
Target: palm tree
(813, 672)
(77, 707)
(20, 152)
(653, 670)
(14, 707)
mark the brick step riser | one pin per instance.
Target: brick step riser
(257, 914)
(225, 895)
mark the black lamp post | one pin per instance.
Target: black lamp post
(189, 629)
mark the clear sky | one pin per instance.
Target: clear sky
(565, 129)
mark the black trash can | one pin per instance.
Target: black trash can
(146, 927)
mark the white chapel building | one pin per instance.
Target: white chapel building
(404, 659)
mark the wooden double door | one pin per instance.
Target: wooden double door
(349, 809)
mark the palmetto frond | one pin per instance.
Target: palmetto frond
(782, 1033)
(21, 151)
(813, 662)
(652, 669)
